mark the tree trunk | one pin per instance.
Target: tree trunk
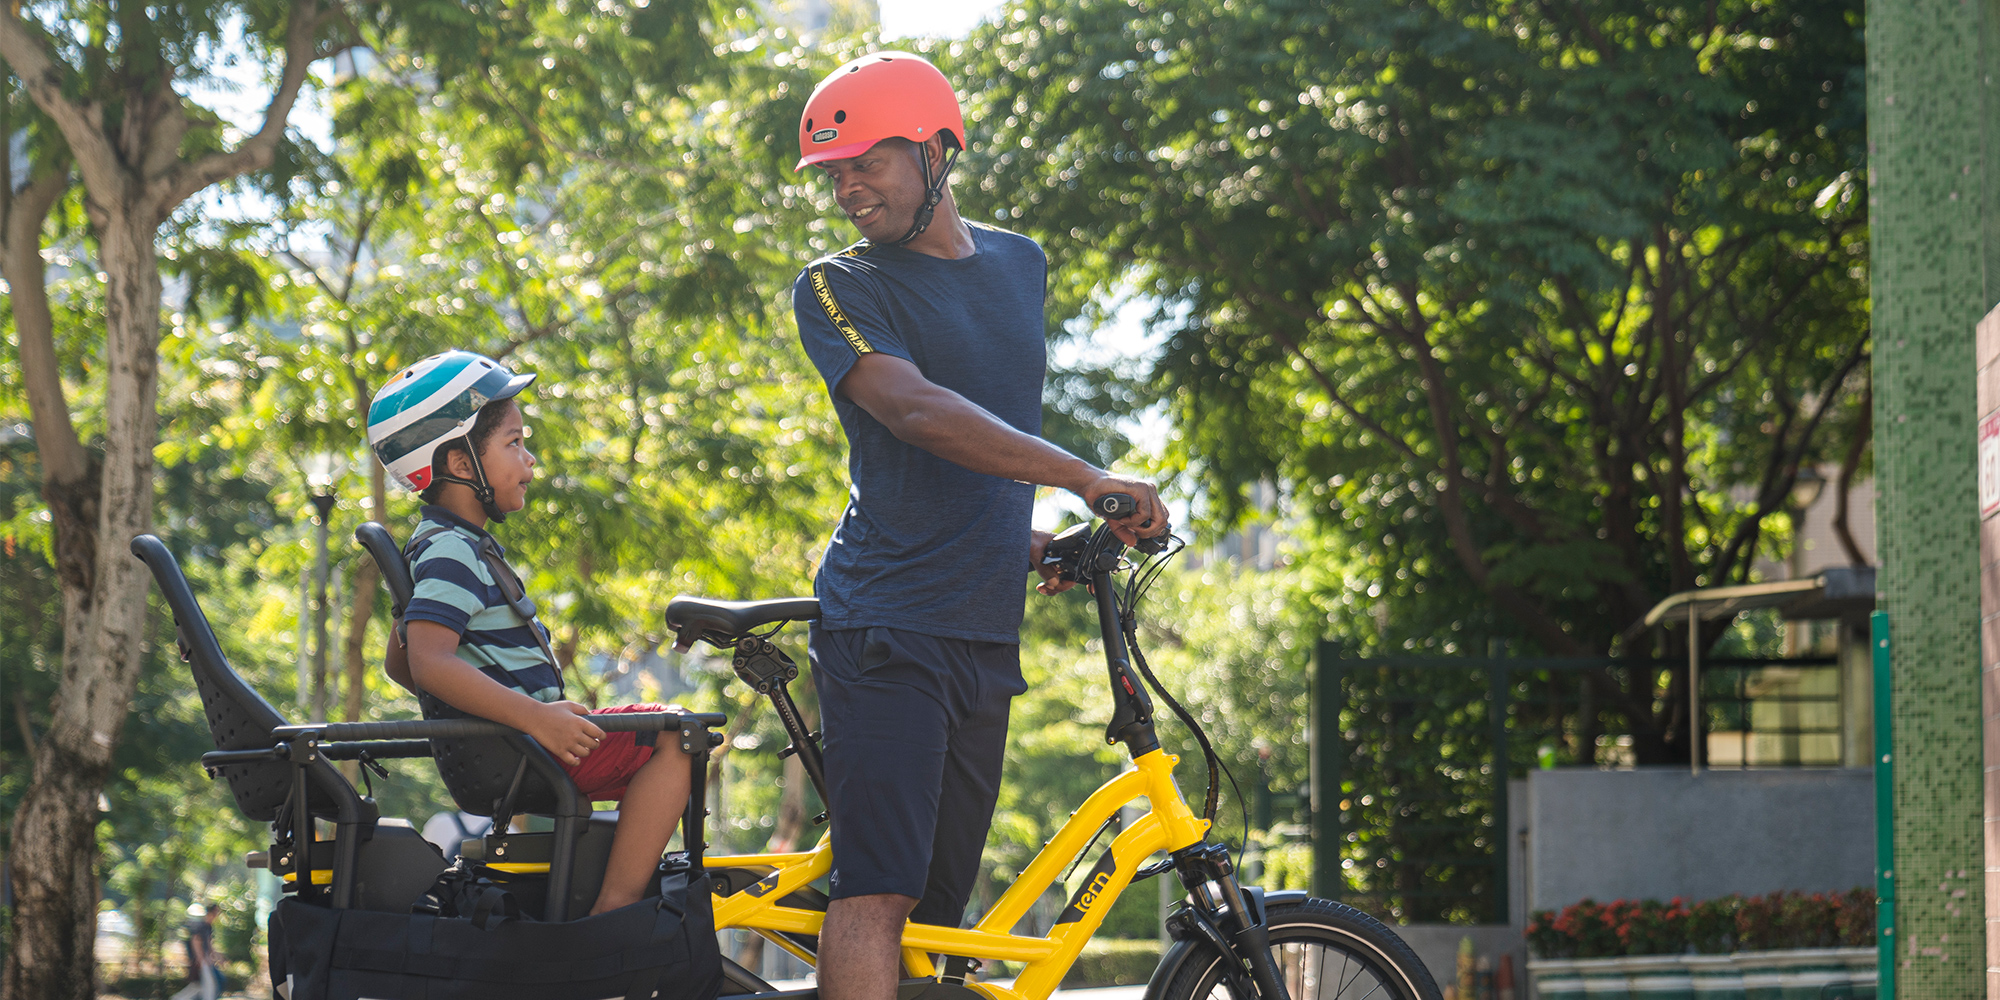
(359, 610)
(1844, 485)
(367, 576)
(134, 177)
(54, 831)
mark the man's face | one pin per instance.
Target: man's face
(881, 190)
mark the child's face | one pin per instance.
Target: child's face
(510, 466)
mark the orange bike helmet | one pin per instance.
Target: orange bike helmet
(879, 96)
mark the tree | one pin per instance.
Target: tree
(1516, 298)
(104, 76)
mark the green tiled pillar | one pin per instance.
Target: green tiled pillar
(1931, 120)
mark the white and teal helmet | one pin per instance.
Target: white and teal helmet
(429, 403)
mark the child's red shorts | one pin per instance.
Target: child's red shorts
(603, 775)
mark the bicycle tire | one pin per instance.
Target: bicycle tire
(1307, 938)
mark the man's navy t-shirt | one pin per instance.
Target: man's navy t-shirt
(925, 544)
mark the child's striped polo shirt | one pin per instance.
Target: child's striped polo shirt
(455, 588)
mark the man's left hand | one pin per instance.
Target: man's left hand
(1038, 545)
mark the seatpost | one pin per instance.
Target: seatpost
(768, 671)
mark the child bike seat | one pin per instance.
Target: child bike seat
(370, 863)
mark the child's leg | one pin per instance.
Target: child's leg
(654, 801)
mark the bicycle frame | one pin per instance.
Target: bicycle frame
(1223, 914)
(1169, 825)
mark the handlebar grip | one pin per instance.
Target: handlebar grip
(1115, 505)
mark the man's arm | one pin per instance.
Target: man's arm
(926, 415)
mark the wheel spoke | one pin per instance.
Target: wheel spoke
(1348, 982)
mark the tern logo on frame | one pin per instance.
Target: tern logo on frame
(1092, 890)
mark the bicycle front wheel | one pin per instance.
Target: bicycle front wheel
(1324, 951)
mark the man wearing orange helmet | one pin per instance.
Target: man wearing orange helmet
(929, 333)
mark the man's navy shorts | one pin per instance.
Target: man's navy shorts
(916, 732)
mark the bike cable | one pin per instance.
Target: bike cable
(1216, 768)
(1141, 581)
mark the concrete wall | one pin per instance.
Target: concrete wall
(1437, 945)
(1657, 833)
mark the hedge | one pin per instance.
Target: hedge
(1716, 926)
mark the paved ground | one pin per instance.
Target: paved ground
(1104, 993)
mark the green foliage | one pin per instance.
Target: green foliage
(1484, 292)
(1415, 794)
(1507, 302)
(1232, 647)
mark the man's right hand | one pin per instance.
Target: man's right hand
(1149, 516)
(564, 729)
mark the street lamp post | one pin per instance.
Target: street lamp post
(323, 503)
(322, 469)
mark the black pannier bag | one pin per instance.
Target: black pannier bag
(662, 946)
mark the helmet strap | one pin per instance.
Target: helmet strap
(933, 190)
(481, 489)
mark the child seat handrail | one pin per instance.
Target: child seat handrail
(629, 722)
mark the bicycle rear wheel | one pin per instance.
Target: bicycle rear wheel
(1325, 951)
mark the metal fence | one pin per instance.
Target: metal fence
(1412, 755)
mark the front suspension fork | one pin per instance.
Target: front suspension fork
(1230, 920)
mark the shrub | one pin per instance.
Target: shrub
(1653, 928)
(1711, 925)
(1854, 918)
(1731, 923)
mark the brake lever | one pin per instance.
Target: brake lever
(1065, 552)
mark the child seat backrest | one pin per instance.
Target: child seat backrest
(238, 717)
(477, 771)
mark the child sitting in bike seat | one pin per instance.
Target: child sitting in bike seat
(448, 429)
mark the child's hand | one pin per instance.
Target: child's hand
(564, 729)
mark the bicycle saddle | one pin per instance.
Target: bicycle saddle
(694, 618)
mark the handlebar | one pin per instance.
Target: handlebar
(1067, 551)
